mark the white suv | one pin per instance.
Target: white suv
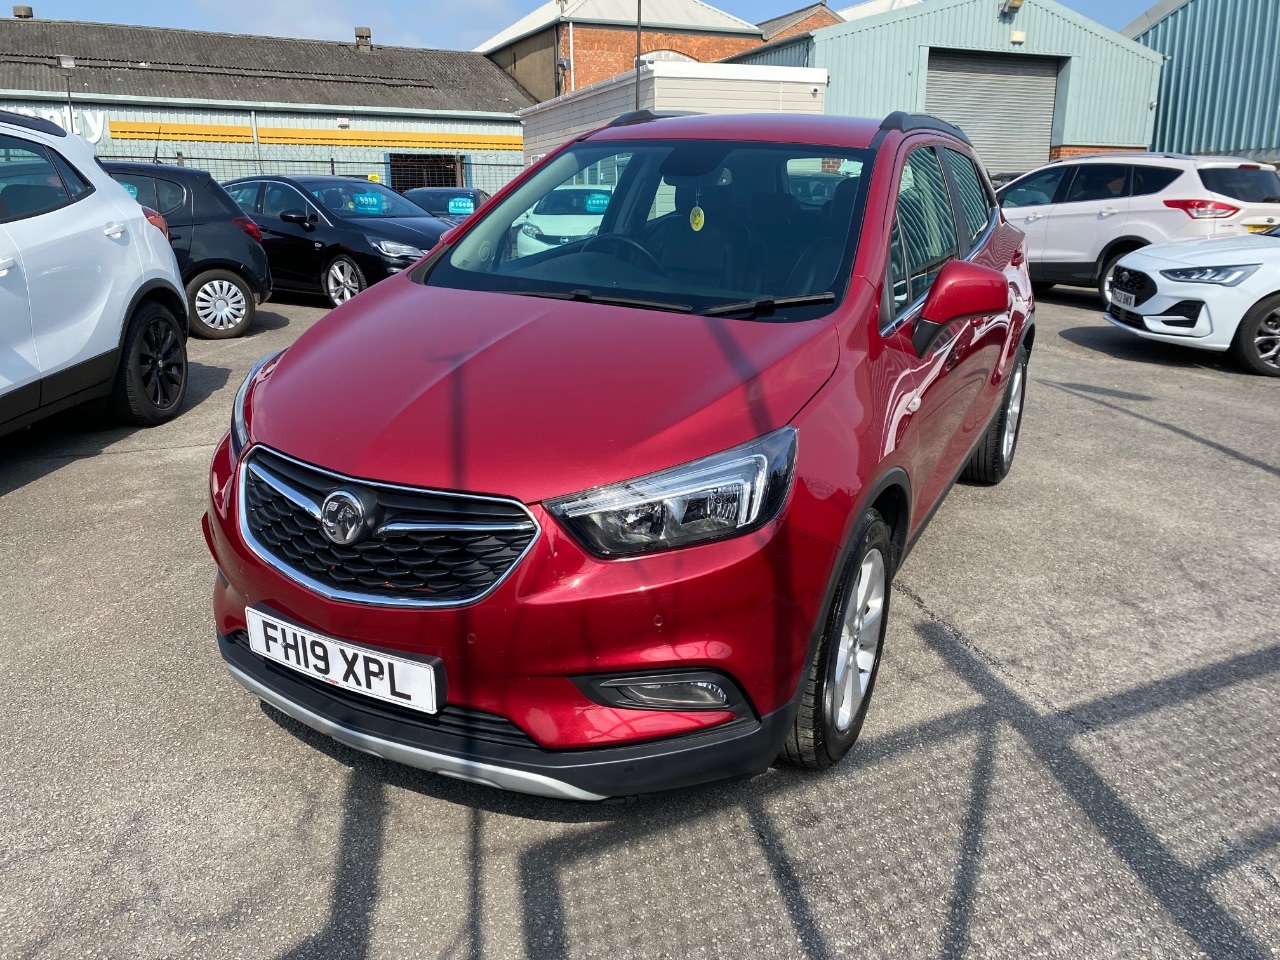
(1083, 214)
(91, 303)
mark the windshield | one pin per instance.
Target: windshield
(1250, 184)
(359, 198)
(691, 225)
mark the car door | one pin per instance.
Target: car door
(19, 371)
(293, 249)
(1093, 211)
(174, 204)
(1027, 204)
(80, 263)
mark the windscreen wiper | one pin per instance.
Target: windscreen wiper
(590, 296)
(762, 306)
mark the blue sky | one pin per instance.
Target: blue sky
(436, 23)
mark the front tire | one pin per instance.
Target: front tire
(993, 457)
(151, 381)
(1256, 345)
(343, 279)
(1107, 272)
(221, 305)
(837, 691)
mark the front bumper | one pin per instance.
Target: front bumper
(1200, 315)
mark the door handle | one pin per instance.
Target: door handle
(115, 230)
(7, 264)
(1109, 211)
(1033, 217)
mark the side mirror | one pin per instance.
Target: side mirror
(961, 290)
(295, 216)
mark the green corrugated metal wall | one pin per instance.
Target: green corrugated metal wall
(1220, 92)
(880, 63)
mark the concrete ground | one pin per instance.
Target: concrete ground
(1072, 751)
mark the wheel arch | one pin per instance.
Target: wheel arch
(891, 497)
(1121, 245)
(163, 293)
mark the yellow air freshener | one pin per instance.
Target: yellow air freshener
(697, 218)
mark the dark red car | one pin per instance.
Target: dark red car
(622, 515)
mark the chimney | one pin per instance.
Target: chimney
(364, 43)
(22, 13)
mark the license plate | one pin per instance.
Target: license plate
(1259, 227)
(1122, 299)
(370, 673)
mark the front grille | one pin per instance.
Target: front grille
(1135, 282)
(1127, 317)
(422, 547)
(449, 719)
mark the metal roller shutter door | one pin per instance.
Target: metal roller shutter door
(1004, 103)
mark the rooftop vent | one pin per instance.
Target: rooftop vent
(23, 13)
(364, 40)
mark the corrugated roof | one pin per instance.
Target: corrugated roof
(872, 7)
(771, 28)
(1148, 19)
(157, 62)
(671, 14)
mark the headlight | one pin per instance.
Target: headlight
(529, 230)
(719, 496)
(239, 429)
(397, 251)
(1226, 276)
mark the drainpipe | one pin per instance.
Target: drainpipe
(573, 77)
(257, 147)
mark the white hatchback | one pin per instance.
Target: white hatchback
(1217, 294)
(1082, 215)
(568, 214)
(91, 302)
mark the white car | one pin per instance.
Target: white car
(1219, 294)
(91, 301)
(1083, 214)
(568, 214)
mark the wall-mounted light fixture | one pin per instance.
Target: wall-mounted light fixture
(1011, 6)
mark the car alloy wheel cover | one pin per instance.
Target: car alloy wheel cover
(1012, 413)
(1267, 340)
(342, 282)
(858, 646)
(221, 305)
(162, 364)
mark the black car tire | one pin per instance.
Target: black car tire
(1108, 268)
(1041, 287)
(818, 737)
(342, 279)
(220, 304)
(1251, 335)
(993, 457)
(151, 380)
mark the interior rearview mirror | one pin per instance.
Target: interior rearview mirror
(961, 290)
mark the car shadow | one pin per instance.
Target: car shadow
(1115, 343)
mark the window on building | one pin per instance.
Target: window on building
(924, 212)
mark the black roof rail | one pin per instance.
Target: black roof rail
(644, 116)
(32, 123)
(906, 122)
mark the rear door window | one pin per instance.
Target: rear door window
(974, 201)
(928, 226)
(1098, 181)
(171, 196)
(142, 189)
(1149, 180)
(1250, 184)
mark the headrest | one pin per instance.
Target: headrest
(841, 206)
(772, 209)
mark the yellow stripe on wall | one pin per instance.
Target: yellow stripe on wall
(201, 132)
(299, 136)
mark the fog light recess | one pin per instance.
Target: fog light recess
(703, 690)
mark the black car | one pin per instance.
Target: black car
(219, 249)
(337, 235)
(450, 204)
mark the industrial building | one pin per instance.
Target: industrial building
(238, 105)
(1028, 80)
(1220, 87)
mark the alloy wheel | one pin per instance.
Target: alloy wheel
(341, 281)
(1267, 340)
(1012, 413)
(859, 643)
(162, 364)
(221, 305)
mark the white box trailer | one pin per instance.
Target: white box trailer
(697, 87)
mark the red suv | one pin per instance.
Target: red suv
(621, 515)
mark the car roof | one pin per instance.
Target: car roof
(830, 130)
(1154, 158)
(154, 169)
(37, 124)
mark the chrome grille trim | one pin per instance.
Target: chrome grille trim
(302, 501)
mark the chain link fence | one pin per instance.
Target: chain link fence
(400, 171)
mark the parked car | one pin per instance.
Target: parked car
(567, 214)
(450, 204)
(91, 302)
(1082, 215)
(623, 515)
(1220, 294)
(219, 249)
(334, 235)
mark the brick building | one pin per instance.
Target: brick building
(806, 19)
(565, 45)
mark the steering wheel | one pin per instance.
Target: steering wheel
(618, 239)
